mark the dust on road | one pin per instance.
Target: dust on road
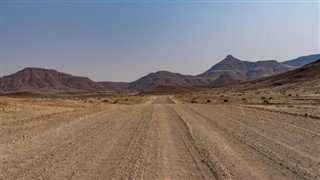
(163, 140)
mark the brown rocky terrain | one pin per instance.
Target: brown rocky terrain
(224, 79)
(307, 76)
(153, 80)
(245, 70)
(229, 70)
(46, 80)
(115, 86)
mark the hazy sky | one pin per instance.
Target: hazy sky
(122, 41)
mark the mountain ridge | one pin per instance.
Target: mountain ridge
(245, 70)
(305, 76)
(47, 80)
(302, 60)
(227, 71)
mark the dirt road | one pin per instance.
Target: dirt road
(162, 141)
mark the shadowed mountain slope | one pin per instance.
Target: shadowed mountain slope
(303, 60)
(116, 86)
(307, 76)
(224, 79)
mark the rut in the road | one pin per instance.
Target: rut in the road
(288, 158)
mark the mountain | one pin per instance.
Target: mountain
(224, 79)
(306, 76)
(47, 81)
(245, 70)
(303, 60)
(229, 70)
(115, 86)
(172, 89)
(153, 80)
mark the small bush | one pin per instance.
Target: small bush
(226, 100)
(263, 98)
(289, 94)
(270, 98)
(222, 95)
(208, 101)
(243, 99)
(106, 100)
(194, 101)
(266, 101)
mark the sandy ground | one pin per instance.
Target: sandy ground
(161, 140)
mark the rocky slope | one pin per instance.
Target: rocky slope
(307, 76)
(167, 78)
(303, 60)
(245, 70)
(47, 80)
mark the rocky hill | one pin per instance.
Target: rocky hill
(245, 70)
(48, 81)
(167, 78)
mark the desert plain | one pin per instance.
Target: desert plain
(199, 135)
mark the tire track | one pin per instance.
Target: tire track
(132, 149)
(54, 154)
(201, 157)
(296, 161)
(163, 141)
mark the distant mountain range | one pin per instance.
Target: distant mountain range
(305, 76)
(303, 60)
(229, 70)
(245, 70)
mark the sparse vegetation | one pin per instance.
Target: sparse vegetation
(194, 101)
(266, 101)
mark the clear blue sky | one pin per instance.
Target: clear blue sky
(122, 41)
